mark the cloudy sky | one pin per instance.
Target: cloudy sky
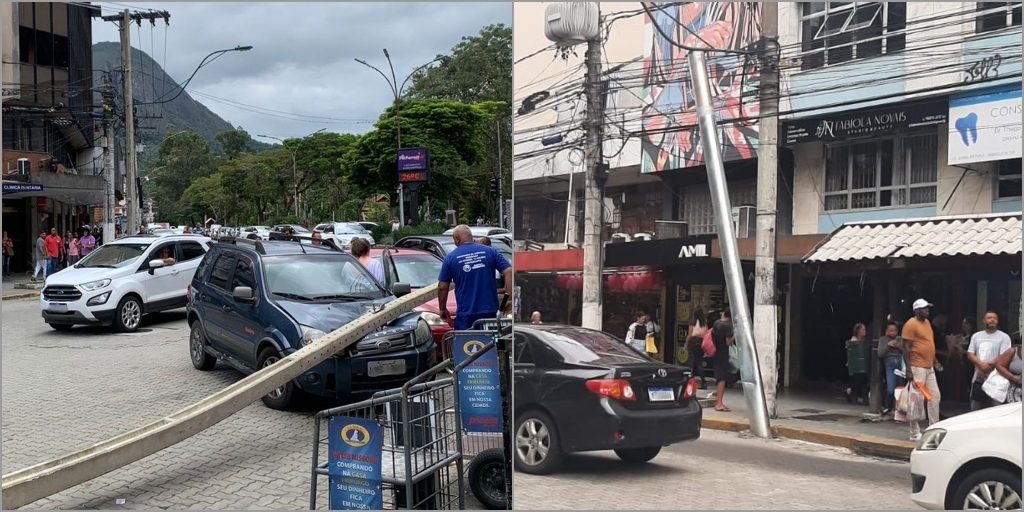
(301, 74)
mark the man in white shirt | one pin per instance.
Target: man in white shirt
(985, 348)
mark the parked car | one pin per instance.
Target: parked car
(262, 231)
(580, 390)
(418, 269)
(971, 461)
(344, 232)
(275, 232)
(479, 231)
(369, 226)
(441, 245)
(253, 303)
(121, 281)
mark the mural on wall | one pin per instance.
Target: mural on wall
(671, 139)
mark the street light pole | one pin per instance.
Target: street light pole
(398, 90)
(295, 174)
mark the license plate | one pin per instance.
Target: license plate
(59, 307)
(661, 394)
(389, 367)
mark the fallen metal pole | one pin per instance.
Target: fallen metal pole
(753, 387)
(36, 482)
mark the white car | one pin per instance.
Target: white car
(121, 281)
(344, 232)
(262, 231)
(971, 461)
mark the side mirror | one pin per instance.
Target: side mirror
(243, 294)
(155, 264)
(400, 289)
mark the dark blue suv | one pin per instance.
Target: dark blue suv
(252, 303)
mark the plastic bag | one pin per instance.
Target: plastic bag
(734, 357)
(651, 346)
(902, 400)
(916, 407)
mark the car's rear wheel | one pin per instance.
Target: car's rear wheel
(128, 315)
(280, 398)
(638, 455)
(537, 448)
(61, 327)
(988, 489)
(197, 348)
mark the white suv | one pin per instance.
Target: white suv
(344, 232)
(122, 280)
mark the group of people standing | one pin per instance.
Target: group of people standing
(908, 355)
(53, 252)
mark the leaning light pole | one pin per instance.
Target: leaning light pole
(750, 372)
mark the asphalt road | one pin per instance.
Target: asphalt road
(64, 391)
(723, 471)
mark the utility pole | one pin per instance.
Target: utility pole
(131, 189)
(750, 374)
(766, 330)
(593, 219)
(108, 162)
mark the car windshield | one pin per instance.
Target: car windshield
(295, 229)
(589, 346)
(320, 277)
(113, 256)
(419, 270)
(350, 229)
(503, 248)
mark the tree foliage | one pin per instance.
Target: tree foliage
(183, 158)
(234, 142)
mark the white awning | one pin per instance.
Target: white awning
(961, 235)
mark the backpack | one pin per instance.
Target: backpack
(708, 345)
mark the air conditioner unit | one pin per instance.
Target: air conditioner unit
(643, 237)
(671, 229)
(744, 221)
(619, 238)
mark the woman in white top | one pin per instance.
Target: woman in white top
(1009, 366)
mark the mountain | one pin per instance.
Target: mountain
(150, 84)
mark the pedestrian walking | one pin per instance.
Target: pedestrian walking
(919, 349)
(66, 254)
(724, 337)
(890, 352)
(636, 334)
(986, 348)
(54, 249)
(471, 267)
(74, 249)
(857, 364)
(8, 254)
(42, 256)
(695, 336)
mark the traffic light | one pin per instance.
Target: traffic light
(495, 187)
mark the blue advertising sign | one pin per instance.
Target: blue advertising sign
(412, 159)
(354, 463)
(22, 187)
(479, 388)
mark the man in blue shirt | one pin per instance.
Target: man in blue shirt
(471, 266)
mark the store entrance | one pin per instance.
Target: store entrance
(829, 310)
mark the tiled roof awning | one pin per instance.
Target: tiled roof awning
(961, 235)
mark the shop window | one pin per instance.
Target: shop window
(888, 173)
(837, 32)
(26, 36)
(997, 15)
(1009, 178)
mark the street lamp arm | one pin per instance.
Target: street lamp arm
(381, 73)
(181, 88)
(401, 90)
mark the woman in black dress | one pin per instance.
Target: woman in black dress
(724, 336)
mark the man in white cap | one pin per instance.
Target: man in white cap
(919, 349)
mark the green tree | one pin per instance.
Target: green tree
(258, 183)
(234, 142)
(317, 159)
(206, 197)
(183, 158)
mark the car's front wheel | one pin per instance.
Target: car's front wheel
(128, 315)
(280, 398)
(638, 455)
(537, 448)
(988, 489)
(197, 348)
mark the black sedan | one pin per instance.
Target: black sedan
(579, 390)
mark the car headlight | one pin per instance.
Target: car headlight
(99, 299)
(310, 334)
(422, 333)
(95, 285)
(432, 319)
(931, 439)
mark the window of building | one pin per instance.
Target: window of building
(886, 173)
(1009, 178)
(698, 211)
(836, 32)
(997, 15)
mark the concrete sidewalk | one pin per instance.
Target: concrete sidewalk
(20, 286)
(822, 419)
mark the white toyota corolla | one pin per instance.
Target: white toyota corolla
(970, 462)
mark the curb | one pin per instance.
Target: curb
(859, 444)
(25, 295)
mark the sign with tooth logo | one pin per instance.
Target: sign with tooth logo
(985, 127)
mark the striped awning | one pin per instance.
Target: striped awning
(961, 235)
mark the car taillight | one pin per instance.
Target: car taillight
(690, 390)
(619, 389)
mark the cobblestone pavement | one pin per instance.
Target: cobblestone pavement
(64, 391)
(723, 471)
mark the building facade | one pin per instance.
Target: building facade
(51, 163)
